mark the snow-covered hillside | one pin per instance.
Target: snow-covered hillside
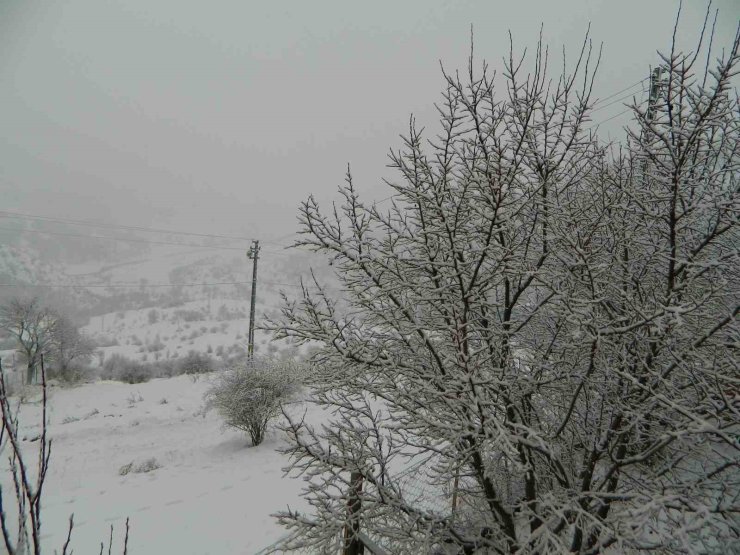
(208, 490)
(212, 493)
(162, 276)
(19, 265)
(216, 326)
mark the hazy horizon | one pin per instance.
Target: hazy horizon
(221, 119)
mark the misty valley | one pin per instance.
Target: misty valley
(381, 278)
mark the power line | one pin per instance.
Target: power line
(633, 85)
(618, 100)
(385, 199)
(128, 285)
(131, 240)
(626, 110)
(123, 239)
(277, 241)
(19, 215)
(611, 118)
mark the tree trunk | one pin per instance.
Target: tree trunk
(352, 544)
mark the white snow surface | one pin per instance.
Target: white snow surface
(213, 494)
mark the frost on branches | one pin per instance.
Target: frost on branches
(543, 324)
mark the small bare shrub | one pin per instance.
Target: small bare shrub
(145, 466)
(134, 398)
(125, 469)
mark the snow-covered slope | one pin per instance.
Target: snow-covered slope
(212, 494)
(21, 265)
(215, 326)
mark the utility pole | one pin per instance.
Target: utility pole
(656, 87)
(253, 255)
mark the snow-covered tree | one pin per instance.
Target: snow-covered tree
(540, 326)
(69, 347)
(32, 325)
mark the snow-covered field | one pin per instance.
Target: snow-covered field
(212, 494)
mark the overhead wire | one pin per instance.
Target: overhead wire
(611, 118)
(617, 101)
(128, 285)
(134, 240)
(88, 223)
(20, 215)
(625, 111)
(633, 85)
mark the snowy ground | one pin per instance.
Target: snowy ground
(213, 494)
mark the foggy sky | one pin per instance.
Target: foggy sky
(220, 117)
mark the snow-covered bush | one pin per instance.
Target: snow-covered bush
(250, 394)
(73, 374)
(189, 315)
(123, 369)
(153, 316)
(106, 341)
(155, 346)
(196, 363)
(163, 368)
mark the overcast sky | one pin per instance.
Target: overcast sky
(221, 116)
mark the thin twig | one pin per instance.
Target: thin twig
(125, 541)
(69, 533)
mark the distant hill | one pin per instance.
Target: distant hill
(163, 277)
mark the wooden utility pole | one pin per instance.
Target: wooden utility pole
(253, 255)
